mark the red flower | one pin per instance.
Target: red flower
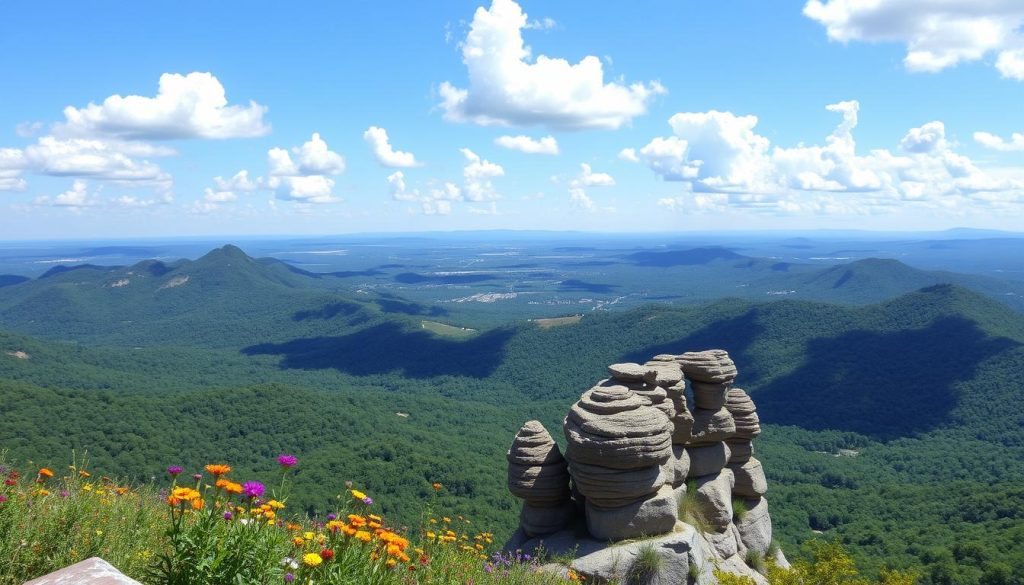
(327, 554)
(10, 482)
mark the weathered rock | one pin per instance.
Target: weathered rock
(709, 395)
(750, 479)
(755, 528)
(537, 471)
(739, 402)
(678, 466)
(748, 426)
(651, 516)
(663, 357)
(668, 373)
(740, 450)
(608, 487)
(741, 549)
(711, 426)
(713, 365)
(613, 427)
(707, 459)
(537, 521)
(92, 571)
(533, 445)
(714, 499)
(724, 542)
(737, 565)
(630, 372)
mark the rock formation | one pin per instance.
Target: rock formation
(642, 466)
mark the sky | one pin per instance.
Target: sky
(268, 118)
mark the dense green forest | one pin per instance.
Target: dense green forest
(921, 393)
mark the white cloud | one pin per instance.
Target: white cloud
(305, 178)
(937, 34)
(477, 175)
(219, 196)
(994, 142)
(377, 138)
(12, 163)
(722, 162)
(186, 106)
(629, 155)
(587, 178)
(545, 145)
(98, 159)
(28, 129)
(239, 182)
(314, 157)
(76, 197)
(508, 86)
(440, 207)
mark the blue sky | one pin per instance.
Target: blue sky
(661, 116)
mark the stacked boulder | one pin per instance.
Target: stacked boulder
(618, 442)
(633, 451)
(537, 473)
(755, 527)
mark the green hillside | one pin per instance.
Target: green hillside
(254, 358)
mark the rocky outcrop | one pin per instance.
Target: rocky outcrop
(638, 458)
(537, 473)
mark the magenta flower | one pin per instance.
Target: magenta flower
(175, 470)
(228, 515)
(253, 489)
(368, 501)
(288, 577)
(3, 498)
(287, 460)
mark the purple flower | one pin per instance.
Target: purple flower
(228, 515)
(197, 476)
(368, 501)
(253, 489)
(64, 493)
(332, 516)
(287, 460)
(175, 470)
(288, 577)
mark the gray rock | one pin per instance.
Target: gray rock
(630, 372)
(750, 479)
(535, 521)
(622, 453)
(611, 488)
(723, 542)
(709, 395)
(755, 528)
(707, 459)
(711, 426)
(740, 450)
(678, 466)
(748, 426)
(613, 427)
(663, 357)
(654, 515)
(713, 365)
(537, 471)
(92, 571)
(533, 445)
(714, 499)
(738, 402)
(741, 549)
(615, 563)
(668, 373)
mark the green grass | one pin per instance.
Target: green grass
(645, 566)
(450, 331)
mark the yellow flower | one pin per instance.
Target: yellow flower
(358, 494)
(362, 535)
(311, 559)
(275, 504)
(84, 473)
(308, 536)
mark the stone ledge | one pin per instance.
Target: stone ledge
(94, 571)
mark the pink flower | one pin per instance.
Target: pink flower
(287, 460)
(253, 489)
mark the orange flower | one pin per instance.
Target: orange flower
(218, 469)
(362, 535)
(44, 472)
(198, 504)
(436, 486)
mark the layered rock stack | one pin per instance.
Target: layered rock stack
(633, 452)
(537, 474)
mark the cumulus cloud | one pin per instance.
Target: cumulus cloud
(185, 106)
(477, 177)
(1016, 141)
(578, 196)
(508, 86)
(629, 155)
(76, 197)
(721, 160)
(304, 178)
(545, 145)
(937, 35)
(98, 159)
(239, 182)
(12, 163)
(387, 156)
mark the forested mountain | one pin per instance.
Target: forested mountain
(248, 358)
